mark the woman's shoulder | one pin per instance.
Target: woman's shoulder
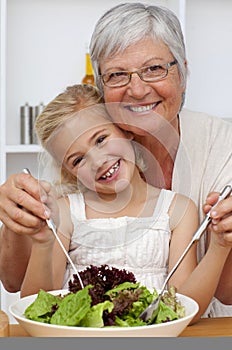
(211, 131)
(197, 118)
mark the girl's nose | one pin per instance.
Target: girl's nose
(96, 157)
(97, 163)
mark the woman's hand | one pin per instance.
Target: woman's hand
(22, 208)
(221, 217)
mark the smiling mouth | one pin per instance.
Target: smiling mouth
(141, 109)
(110, 172)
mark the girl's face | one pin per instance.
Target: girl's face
(97, 152)
(139, 100)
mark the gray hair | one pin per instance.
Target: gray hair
(128, 23)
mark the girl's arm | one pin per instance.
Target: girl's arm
(223, 221)
(183, 223)
(202, 282)
(196, 281)
(47, 262)
(21, 215)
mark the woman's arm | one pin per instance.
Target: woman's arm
(14, 256)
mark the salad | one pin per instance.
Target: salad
(110, 298)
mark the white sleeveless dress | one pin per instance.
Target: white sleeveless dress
(137, 244)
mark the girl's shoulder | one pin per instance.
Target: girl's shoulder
(182, 209)
(64, 215)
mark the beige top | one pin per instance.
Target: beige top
(203, 164)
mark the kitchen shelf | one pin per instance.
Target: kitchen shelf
(23, 148)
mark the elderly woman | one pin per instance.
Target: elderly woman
(138, 55)
(140, 65)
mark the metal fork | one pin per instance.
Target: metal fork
(52, 227)
(150, 313)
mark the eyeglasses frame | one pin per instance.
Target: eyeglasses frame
(138, 72)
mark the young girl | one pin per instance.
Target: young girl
(107, 213)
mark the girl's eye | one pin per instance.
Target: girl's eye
(100, 139)
(77, 161)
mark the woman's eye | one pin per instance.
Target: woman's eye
(115, 77)
(155, 67)
(117, 74)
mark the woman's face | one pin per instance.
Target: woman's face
(138, 100)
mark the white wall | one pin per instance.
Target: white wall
(209, 51)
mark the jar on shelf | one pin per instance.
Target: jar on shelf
(26, 122)
(36, 112)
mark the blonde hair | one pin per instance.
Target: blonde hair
(72, 100)
(60, 109)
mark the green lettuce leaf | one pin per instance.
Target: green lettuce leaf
(131, 317)
(112, 293)
(165, 314)
(129, 321)
(43, 307)
(73, 308)
(94, 317)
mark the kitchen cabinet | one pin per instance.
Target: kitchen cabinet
(43, 44)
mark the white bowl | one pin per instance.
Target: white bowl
(38, 329)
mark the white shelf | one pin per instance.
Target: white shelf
(23, 149)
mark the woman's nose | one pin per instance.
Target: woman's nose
(137, 88)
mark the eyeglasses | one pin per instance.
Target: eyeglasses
(147, 74)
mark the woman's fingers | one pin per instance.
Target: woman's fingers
(221, 217)
(20, 203)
